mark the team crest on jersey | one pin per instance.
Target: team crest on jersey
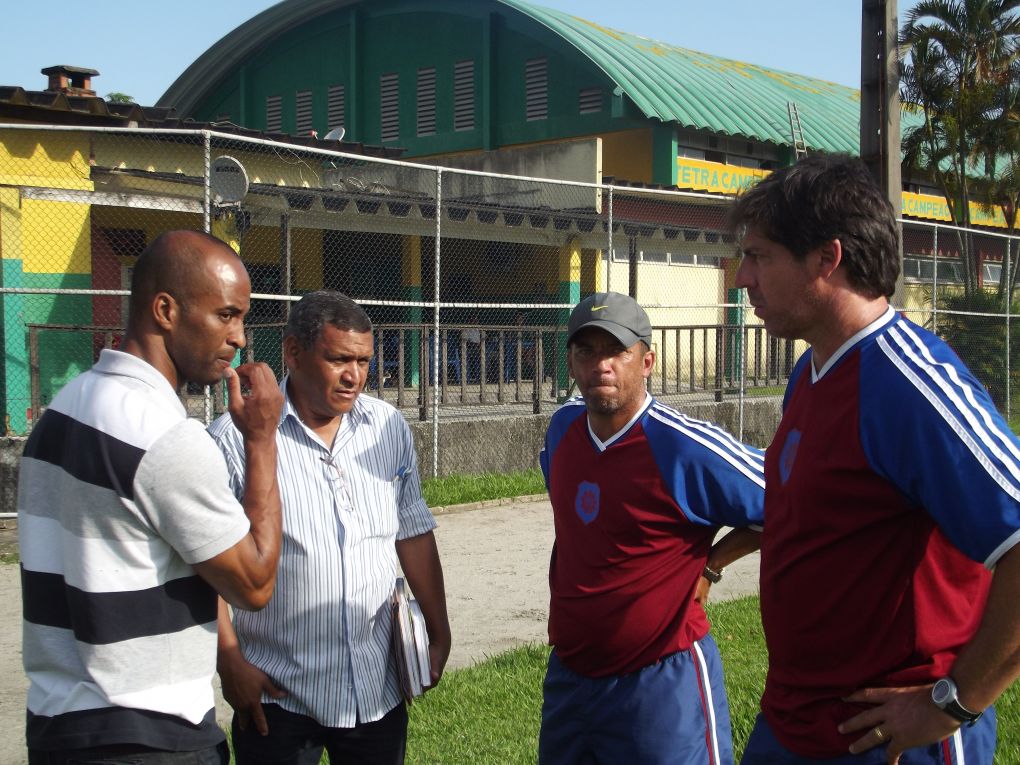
(789, 454)
(587, 502)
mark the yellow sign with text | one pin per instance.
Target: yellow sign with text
(935, 208)
(699, 175)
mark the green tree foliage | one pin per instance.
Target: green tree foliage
(959, 58)
(974, 328)
(120, 98)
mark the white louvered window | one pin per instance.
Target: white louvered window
(464, 95)
(426, 100)
(536, 89)
(589, 101)
(274, 114)
(303, 112)
(335, 106)
(389, 107)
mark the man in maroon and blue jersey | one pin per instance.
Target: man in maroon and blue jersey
(892, 490)
(639, 492)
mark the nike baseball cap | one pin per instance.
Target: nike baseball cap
(617, 314)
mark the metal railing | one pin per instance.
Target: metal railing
(486, 370)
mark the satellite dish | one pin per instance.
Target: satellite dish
(336, 134)
(228, 181)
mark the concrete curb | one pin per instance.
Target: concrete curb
(488, 503)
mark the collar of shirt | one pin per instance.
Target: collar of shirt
(877, 324)
(113, 362)
(603, 445)
(359, 414)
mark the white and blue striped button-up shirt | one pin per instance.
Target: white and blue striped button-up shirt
(324, 638)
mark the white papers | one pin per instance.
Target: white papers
(410, 644)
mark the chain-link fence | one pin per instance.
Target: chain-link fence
(469, 277)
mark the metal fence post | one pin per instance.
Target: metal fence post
(935, 283)
(207, 407)
(435, 325)
(741, 328)
(609, 244)
(285, 258)
(1004, 274)
(33, 367)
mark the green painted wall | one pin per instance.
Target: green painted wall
(62, 355)
(400, 37)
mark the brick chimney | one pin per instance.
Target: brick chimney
(71, 80)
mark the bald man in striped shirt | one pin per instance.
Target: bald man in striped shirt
(314, 669)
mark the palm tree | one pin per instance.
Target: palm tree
(1000, 184)
(960, 59)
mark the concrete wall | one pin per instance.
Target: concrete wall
(10, 453)
(494, 445)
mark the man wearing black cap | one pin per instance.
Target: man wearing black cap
(638, 493)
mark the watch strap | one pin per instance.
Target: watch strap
(712, 575)
(949, 701)
(959, 712)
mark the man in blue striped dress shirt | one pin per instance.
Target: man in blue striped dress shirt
(314, 669)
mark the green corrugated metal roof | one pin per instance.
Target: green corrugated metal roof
(665, 82)
(697, 90)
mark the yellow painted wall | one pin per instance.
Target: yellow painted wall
(10, 224)
(628, 154)
(45, 158)
(306, 256)
(48, 237)
(593, 274)
(56, 238)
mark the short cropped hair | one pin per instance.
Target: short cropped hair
(821, 198)
(316, 309)
(174, 262)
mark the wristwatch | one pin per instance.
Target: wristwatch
(945, 695)
(712, 575)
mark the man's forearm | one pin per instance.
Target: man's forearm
(732, 547)
(990, 662)
(262, 500)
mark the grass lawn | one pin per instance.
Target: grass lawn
(490, 713)
(460, 489)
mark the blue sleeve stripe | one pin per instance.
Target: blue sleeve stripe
(1006, 439)
(753, 457)
(739, 461)
(972, 409)
(940, 384)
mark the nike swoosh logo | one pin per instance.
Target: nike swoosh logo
(595, 308)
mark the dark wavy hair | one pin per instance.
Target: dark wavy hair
(825, 197)
(316, 309)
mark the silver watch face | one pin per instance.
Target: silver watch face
(943, 692)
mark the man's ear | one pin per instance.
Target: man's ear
(165, 310)
(831, 255)
(648, 363)
(291, 348)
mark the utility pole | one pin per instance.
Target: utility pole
(880, 105)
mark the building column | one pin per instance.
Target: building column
(410, 280)
(733, 338)
(664, 151)
(569, 291)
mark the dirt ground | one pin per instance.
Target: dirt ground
(495, 562)
(8, 538)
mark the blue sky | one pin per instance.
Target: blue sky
(140, 47)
